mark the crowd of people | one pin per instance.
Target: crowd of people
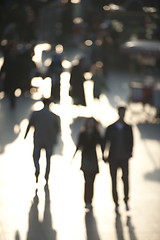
(27, 23)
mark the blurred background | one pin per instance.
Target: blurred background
(89, 56)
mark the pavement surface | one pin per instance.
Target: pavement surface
(35, 211)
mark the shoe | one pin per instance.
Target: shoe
(127, 207)
(37, 175)
(36, 179)
(46, 177)
(117, 209)
(88, 206)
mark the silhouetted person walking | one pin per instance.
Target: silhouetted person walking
(88, 139)
(46, 127)
(120, 137)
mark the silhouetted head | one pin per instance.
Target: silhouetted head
(90, 124)
(121, 112)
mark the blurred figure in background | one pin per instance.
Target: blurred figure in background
(99, 82)
(88, 139)
(66, 20)
(11, 71)
(28, 68)
(120, 137)
(76, 82)
(54, 72)
(46, 128)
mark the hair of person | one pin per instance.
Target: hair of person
(121, 108)
(84, 128)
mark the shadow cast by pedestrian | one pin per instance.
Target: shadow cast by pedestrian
(41, 229)
(131, 229)
(91, 226)
(153, 176)
(17, 236)
(120, 228)
(149, 131)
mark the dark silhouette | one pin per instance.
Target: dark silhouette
(11, 71)
(99, 82)
(120, 137)
(91, 226)
(131, 229)
(37, 229)
(17, 236)
(88, 139)
(28, 68)
(54, 71)
(119, 228)
(46, 127)
(76, 82)
(66, 19)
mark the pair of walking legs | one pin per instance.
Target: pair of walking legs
(125, 171)
(89, 187)
(36, 157)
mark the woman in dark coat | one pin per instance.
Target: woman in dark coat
(88, 139)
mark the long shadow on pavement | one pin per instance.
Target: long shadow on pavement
(37, 229)
(119, 228)
(91, 226)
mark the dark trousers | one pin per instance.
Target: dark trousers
(36, 157)
(89, 187)
(125, 171)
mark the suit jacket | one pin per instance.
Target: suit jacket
(46, 127)
(120, 142)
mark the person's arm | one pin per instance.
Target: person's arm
(78, 146)
(75, 152)
(29, 126)
(131, 140)
(27, 130)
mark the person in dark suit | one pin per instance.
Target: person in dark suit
(46, 126)
(119, 135)
(88, 139)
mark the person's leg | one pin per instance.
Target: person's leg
(113, 172)
(36, 157)
(89, 187)
(125, 173)
(49, 151)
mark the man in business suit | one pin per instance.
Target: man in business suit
(46, 127)
(119, 135)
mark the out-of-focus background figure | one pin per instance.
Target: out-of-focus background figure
(77, 80)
